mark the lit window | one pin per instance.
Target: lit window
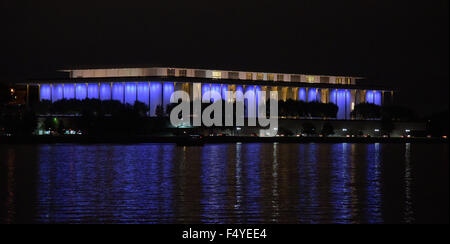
(216, 75)
(249, 76)
(311, 79)
(348, 81)
(280, 77)
(338, 80)
(260, 76)
(271, 77)
(170, 72)
(183, 73)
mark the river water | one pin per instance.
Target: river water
(225, 183)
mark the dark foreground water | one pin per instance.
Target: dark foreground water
(225, 183)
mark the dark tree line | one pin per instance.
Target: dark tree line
(96, 117)
(373, 111)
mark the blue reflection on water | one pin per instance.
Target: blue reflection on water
(309, 205)
(106, 185)
(252, 181)
(214, 188)
(341, 195)
(217, 183)
(374, 214)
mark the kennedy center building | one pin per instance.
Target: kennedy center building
(154, 86)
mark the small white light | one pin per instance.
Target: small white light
(407, 131)
(377, 130)
(344, 129)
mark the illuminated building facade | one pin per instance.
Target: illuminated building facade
(154, 86)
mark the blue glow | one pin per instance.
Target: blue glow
(45, 92)
(312, 95)
(118, 92)
(65, 192)
(93, 91)
(377, 98)
(333, 96)
(341, 195)
(250, 102)
(370, 97)
(302, 94)
(205, 89)
(169, 88)
(81, 91)
(155, 97)
(215, 88)
(342, 98)
(130, 93)
(143, 93)
(374, 201)
(239, 97)
(213, 174)
(309, 186)
(57, 93)
(105, 91)
(69, 91)
(224, 92)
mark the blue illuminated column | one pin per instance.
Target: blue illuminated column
(312, 95)
(169, 88)
(348, 104)
(105, 91)
(93, 91)
(215, 88)
(240, 95)
(250, 102)
(370, 97)
(377, 98)
(143, 93)
(130, 93)
(69, 91)
(224, 93)
(342, 98)
(205, 89)
(81, 91)
(155, 96)
(45, 92)
(333, 96)
(302, 94)
(57, 92)
(118, 92)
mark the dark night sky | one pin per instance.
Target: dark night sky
(399, 43)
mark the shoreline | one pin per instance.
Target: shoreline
(207, 140)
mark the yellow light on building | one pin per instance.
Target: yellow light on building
(311, 79)
(217, 75)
